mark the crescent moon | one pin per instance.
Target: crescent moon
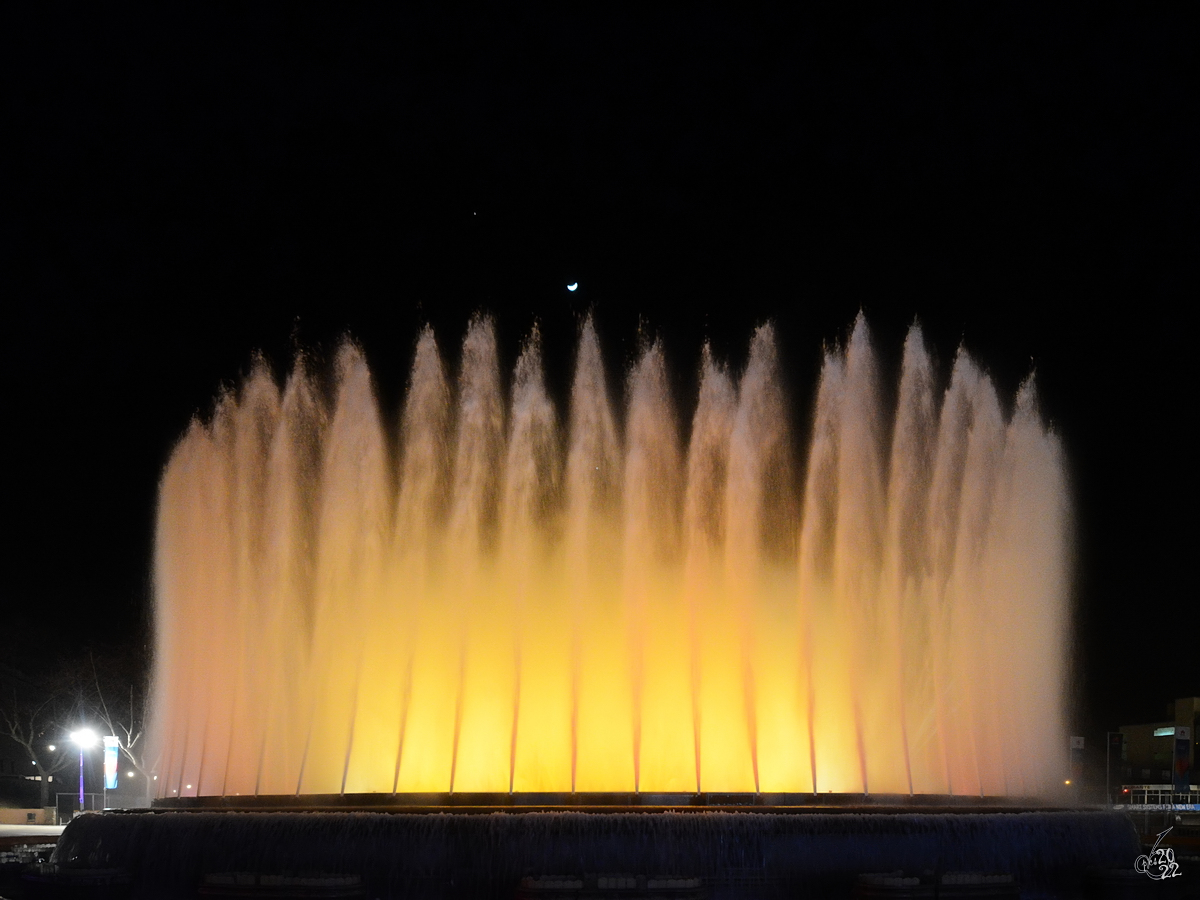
(571, 287)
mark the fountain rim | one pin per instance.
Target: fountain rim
(613, 802)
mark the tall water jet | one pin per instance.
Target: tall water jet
(424, 479)
(530, 495)
(635, 596)
(654, 609)
(703, 537)
(600, 721)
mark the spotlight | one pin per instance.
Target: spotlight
(84, 738)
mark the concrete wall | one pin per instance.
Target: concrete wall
(21, 816)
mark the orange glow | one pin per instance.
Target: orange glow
(511, 601)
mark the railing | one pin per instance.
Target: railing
(1158, 798)
(66, 810)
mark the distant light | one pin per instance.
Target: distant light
(1125, 791)
(1068, 781)
(84, 738)
(51, 748)
(156, 778)
(571, 287)
(1165, 732)
(128, 774)
(33, 762)
(189, 787)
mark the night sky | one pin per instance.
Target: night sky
(183, 188)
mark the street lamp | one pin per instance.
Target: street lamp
(1108, 740)
(84, 739)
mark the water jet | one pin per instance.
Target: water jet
(521, 601)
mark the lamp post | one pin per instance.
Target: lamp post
(84, 739)
(1108, 739)
(1108, 768)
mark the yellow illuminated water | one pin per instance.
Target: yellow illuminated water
(509, 597)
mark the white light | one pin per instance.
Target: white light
(128, 774)
(156, 778)
(84, 738)
(571, 287)
(51, 748)
(189, 787)
(1165, 732)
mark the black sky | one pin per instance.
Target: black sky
(182, 188)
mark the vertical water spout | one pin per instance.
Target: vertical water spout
(478, 446)
(288, 599)
(255, 420)
(819, 627)
(905, 552)
(353, 532)
(757, 506)
(651, 492)
(592, 499)
(859, 531)
(704, 536)
(529, 497)
(412, 611)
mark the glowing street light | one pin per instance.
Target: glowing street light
(84, 739)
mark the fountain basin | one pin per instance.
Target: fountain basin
(766, 852)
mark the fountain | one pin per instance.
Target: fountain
(569, 629)
(521, 601)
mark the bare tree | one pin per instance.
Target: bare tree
(37, 722)
(119, 704)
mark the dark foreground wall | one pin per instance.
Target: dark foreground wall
(444, 854)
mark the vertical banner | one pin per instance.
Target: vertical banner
(111, 748)
(1182, 768)
(1076, 760)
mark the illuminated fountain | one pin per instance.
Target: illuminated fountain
(586, 622)
(506, 597)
